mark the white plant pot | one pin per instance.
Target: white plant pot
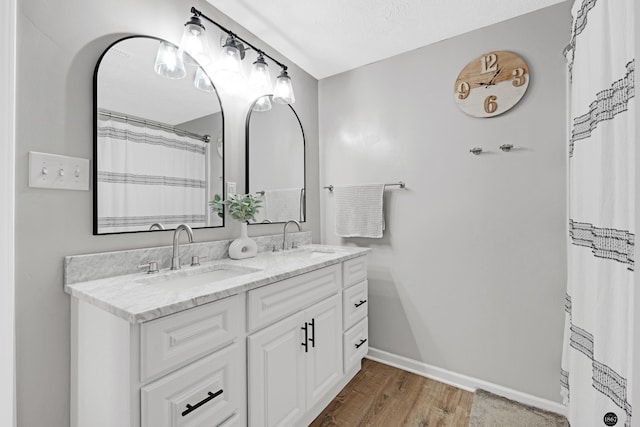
(244, 246)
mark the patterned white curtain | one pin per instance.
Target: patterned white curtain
(148, 175)
(597, 358)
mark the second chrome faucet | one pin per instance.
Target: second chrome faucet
(284, 232)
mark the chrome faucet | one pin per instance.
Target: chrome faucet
(175, 260)
(284, 232)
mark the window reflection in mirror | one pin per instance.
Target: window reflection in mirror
(275, 169)
(157, 144)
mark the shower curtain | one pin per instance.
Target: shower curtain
(148, 175)
(597, 356)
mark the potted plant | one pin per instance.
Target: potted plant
(242, 208)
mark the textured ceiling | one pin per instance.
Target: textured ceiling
(327, 37)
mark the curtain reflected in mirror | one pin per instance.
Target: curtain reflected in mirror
(275, 169)
(158, 142)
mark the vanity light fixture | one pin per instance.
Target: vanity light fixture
(194, 42)
(229, 71)
(169, 62)
(283, 91)
(260, 81)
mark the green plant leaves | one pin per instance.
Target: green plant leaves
(242, 207)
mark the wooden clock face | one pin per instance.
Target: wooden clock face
(491, 84)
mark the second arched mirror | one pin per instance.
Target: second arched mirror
(275, 163)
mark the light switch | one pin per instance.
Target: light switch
(231, 188)
(60, 172)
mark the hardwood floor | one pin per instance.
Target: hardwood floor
(380, 395)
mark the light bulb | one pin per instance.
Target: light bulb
(194, 42)
(283, 90)
(169, 62)
(202, 81)
(262, 104)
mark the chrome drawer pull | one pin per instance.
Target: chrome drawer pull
(190, 408)
(362, 341)
(362, 301)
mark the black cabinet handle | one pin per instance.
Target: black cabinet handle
(306, 338)
(362, 301)
(191, 408)
(313, 333)
(362, 341)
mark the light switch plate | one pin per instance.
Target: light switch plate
(231, 188)
(58, 172)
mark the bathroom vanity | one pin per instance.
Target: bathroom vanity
(265, 341)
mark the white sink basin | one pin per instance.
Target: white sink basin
(307, 252)
(194, 277)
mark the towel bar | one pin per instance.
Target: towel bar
(401, 184)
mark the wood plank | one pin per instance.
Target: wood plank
(381, 395)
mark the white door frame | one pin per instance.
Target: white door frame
(7, 210)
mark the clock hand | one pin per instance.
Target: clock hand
(494, 76)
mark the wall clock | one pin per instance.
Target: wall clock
(491, 84)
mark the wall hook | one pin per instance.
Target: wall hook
(476, 150)
(506, 147)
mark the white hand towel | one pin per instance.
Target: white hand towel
(358, 210)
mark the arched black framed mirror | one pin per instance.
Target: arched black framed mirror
(275, 163)
(158, 141)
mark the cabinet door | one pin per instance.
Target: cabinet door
(276, 363)
(324, 359)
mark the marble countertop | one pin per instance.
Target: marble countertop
(139, 297)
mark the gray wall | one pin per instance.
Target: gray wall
(470, 275)
(58, 46)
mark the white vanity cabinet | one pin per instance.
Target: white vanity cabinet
(274, 354)
(185, 369)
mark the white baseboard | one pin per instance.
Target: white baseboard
(462, 381)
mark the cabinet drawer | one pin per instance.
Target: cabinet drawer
(354, 304)
(276, 301)
(356, 343)
(209, 392)
(172, 341)
(354, 271)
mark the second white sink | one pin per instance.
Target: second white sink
(189, 278)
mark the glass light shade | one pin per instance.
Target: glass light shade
(169, 62)
(202, 81)
(260, 79)
(262, 104)
(229, 72)
(194, 42)
(283, 90)
(230, 60)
